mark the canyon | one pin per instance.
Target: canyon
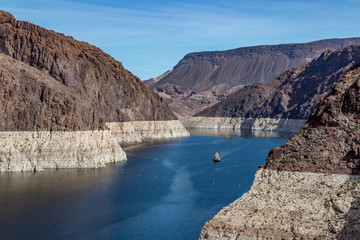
(310, 186)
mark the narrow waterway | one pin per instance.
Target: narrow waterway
(166, 190)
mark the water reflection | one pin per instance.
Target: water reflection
(237, 132)
(23, 190)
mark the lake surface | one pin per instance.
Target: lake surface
(166, 190)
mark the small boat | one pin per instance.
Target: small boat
(216, 157)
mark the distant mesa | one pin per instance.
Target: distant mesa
(202, 79)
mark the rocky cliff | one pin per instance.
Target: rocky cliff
(105, 91)
(57, 90)
(293, 95)
(38, 150)
(253, 124)
(202, 79)
(310, 187)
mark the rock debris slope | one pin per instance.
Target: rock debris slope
(310, 187)
(56, 91)
(293, 95)
(202, 79)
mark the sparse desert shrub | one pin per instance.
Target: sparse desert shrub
(340, 193)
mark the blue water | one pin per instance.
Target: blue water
(166, 190)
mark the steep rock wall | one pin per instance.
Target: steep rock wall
(290, 205)
(256, 124)
(36, 150)
(142, 131)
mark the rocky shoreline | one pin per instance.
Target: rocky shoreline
(290, 205)
(34, 151)
(38, 150)
(256, 124)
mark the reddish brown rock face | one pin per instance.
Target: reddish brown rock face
(294, 94)
(330, 141)
(72, 85)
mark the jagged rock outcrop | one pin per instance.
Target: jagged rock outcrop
(310, 187)
(202, 79)
(293, 95)
(57, 95)
(330, 141)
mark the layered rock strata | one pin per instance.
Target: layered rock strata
(202, 79)
(56, 96)
(37, 150)
(255, 124)
(142, 131)
(310, 186)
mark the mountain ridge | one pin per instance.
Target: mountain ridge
(204, 78)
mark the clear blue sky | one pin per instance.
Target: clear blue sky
(150, 37)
